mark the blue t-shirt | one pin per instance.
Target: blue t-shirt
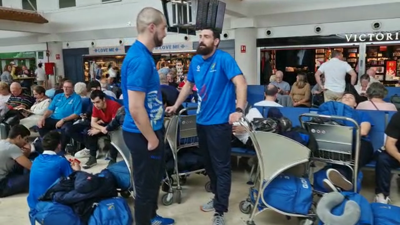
(45, 170)
(139, 73)
(214, 87)
(364, 117)
(171, 93)
(63, 107)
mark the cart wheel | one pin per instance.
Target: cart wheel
(250, 223)
(167, 199)
(178, 196)
(125, 194)
(245, 207)
(306, 222)
(208, 186)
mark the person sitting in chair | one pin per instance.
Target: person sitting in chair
(36, 112)
(341, 176)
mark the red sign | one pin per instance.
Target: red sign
(58, 57)
(243, 48)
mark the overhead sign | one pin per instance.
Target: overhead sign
(16, 55)
(372, 37)
(174, 47)
(111, 50)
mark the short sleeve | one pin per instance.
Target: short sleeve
(66, 169)
(13, 151)
(365, 118)
(95, 112)
(348, 67)
(393, 128)
(139, 72)
(52, 105)
(190, 76)
(286, 87)
(115, 107)
(78, 106)
(322, 68)
(230, 66)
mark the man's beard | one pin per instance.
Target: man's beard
(157, 42)
(202, 49)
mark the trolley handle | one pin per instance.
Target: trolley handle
(313, 115)
(186, 109)
(246, 124)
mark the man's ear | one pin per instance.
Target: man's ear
(216, 41)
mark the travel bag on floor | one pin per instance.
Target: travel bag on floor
(385, 214)
(53, 213)
(289, 194)
(113, 211)
(121, 174)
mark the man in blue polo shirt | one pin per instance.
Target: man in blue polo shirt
(63, 111)
(216, 76)
(143, 124)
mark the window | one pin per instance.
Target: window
(67, 3)
(1, 2)
(109, 1)
(29, 5)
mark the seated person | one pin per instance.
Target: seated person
(36, 112)
(170, 92)
(18, 100)
(301, 92)
(341, 176)
(103, 85)
(318, 93)
(14, 153)
(115, 124)
(81, 89)
(48, 167)
(59, 89)
(363, 85)
(4, 93)
(375, 93)
(104, 111)
(283, 86)
(95, 85)
(387, 159)
(62, 112)
(113, 86)
(270, 97)
(240, 132)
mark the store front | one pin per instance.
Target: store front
(19, 59)
(306, 54)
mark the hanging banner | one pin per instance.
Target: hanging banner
(175, 47)
(111, 50)
(17, 55)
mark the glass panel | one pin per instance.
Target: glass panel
(27, 6)
(110, 1)
(67, 3)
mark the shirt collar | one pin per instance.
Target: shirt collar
(142, 46)
(48, 152)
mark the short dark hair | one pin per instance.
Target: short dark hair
(216, 33)
(40, 65)
(336, 53)
(51, 140)
(365, 77)
(19, 130)
(39, 89)
(94, 84)
(271, 91)
(97, 93)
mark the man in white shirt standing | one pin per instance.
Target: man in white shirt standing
(335, 71)
(40, 75)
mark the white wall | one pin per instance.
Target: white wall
(16, 4)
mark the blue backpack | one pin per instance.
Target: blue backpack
(113, 211)
(385, 214)
(366, 217)
(333, 108)
(53, 213)
(320, 175)
(121, 174)
(289, 194)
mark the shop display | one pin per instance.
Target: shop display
(386, 62)
(324, 54)
(179, 61)
(105, 62)
(268, 55)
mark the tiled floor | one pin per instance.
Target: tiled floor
(14, 210)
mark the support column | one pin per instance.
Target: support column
(246, 53)
(56, 56)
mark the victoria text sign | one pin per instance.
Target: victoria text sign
(371, 37)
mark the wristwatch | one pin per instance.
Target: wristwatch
(238, 109)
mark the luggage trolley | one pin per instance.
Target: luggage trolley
(275, 154)
(335, 141)
(117, 140)
(181, 133)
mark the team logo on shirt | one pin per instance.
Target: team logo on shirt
(198, 68)
(212, 69)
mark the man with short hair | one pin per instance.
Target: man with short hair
(335, 71)
(19, 99)
(171, 92)
(143, 130)
(283, 86)
(40, 75)
(270, 97)
(104, 110)
(217, 78)
(14, 152)
(64, 109)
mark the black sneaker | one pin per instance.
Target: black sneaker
(90, 163)
(111, 162)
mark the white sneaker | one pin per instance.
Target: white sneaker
(337, 179)
(84, 153)
(329, 187)
(380, 198)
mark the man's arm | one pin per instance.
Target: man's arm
(365, 127)
(24, 162)
(184, 93)
(318, 78)
(391, 148)
(47, 114)
(353, 75)
(241, 91)
(139, 114)
(392, 134)
(94, 124)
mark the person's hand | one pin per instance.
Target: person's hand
(75, 166)
(59, 124)
(93, 132)
(235, 117)
(104, 130)
(41, 123)
(239, 129)
(26, 149)
(100, 122)
(295, 104)
(153, 144)
(171, 109)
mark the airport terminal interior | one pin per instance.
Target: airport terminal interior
(289, 52)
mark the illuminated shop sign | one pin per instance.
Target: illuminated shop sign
(371, 37)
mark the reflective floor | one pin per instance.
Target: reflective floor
(14, 210)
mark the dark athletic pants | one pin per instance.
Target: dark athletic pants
(15, 183)
(383, 174)
(215, 143)
(148, 170)
(50, 124)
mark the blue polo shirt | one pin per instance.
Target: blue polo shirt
(213, 79)
(63, 107)
(139, 73)
(364, 117)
